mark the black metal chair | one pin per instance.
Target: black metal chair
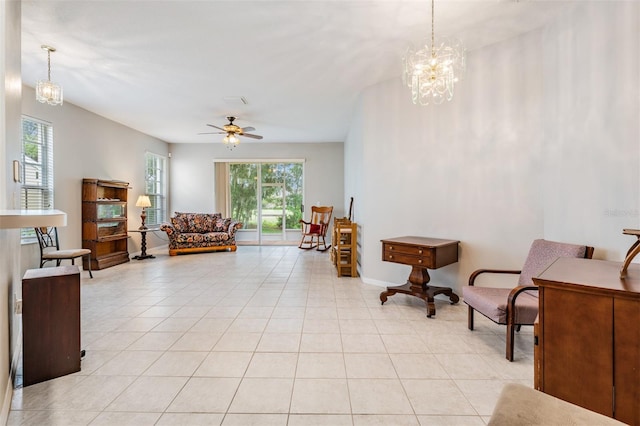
(50, 248)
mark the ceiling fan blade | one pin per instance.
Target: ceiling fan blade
(248, 129)
(212, 133)
(215, 127)
(249, 135)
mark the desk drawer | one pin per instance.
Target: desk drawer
(393, 255)
(404, 249)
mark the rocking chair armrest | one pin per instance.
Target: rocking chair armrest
(305, 222)
(474, 275)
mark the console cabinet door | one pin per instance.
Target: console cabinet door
(627, 354)
(578, 348)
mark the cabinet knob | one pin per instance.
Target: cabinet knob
(419, 260)
(390, 256)
(390, 247)
(420, 251)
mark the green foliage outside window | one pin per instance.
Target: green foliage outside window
(244, 194)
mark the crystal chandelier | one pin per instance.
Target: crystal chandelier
(432, 72)
(46, 90)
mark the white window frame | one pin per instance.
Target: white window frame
(156, 188)
(41, 195)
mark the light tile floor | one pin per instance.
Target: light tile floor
(270, 336)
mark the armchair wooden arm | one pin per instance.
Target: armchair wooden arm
(511, 300)
(474, 275)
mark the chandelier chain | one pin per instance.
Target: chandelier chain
(433, 30)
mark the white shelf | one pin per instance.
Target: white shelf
(11, 219)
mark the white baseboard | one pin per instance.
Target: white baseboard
(6, 403)
(8, 395)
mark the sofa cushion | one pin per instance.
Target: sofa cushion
(222, 225)
(200, 238)
(180, 222)
(195, 222)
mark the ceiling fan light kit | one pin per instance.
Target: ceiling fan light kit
(231, 132)
(231, 140)
(433, 71)
(46, 90)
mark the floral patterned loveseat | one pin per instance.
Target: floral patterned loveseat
(200, 232)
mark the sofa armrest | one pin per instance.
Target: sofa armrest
(233, 227)
(168, 228)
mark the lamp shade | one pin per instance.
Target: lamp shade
(143, 201)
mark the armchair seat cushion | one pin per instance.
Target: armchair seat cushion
(492, 303)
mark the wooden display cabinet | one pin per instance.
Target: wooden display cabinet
(104, 222)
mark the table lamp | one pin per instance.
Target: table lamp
(143, 201)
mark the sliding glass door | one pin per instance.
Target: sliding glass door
(267, 198)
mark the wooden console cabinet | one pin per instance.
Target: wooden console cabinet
(104, 222)
(50, 323)
(588, 336)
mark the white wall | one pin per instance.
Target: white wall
(87, 145)
(591, 123)
(9, 150)
(192, 171)
(540, 141)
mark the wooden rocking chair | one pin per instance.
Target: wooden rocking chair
(314, 231)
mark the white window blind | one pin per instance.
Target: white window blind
(156, 187)
(37, 168)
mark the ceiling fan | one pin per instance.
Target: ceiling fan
(232, 131)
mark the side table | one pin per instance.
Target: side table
(143, 243)
(421, 254)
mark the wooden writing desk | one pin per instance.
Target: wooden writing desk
(421, 254)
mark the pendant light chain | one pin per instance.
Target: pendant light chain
(49, 64)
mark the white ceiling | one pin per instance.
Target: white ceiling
(164, 67)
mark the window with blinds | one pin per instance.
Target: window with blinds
(37, 169)
(155, 178)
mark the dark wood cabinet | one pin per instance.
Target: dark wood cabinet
(50, 323)
(588, 336)
(104, 222)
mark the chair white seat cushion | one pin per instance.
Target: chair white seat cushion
(492, 303)
(65, 254)
(520, 405)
